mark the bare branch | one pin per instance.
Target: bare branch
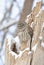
(35, 11)
(3, 27)
(7, 11)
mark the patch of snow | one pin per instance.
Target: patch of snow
(40, 37)
(17, 41)
(20, 53)
(32, 24)
(28, 15)
(30, 52)
(40, 11)
(27, 18)
(13, 54)
(34, 48)
(33, 38)
(9, 42)
(9, 37)
(42, 44)
(27, 49)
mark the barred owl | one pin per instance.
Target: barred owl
(24, 31)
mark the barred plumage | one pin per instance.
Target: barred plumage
(24, 31)
(24, 36)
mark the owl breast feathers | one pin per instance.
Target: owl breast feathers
(24, 31)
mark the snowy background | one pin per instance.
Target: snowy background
(10, 11)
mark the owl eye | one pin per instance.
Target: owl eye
(22, 24)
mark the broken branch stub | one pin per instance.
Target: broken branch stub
(35, 11)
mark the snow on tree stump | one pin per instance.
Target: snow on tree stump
(14, 58)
